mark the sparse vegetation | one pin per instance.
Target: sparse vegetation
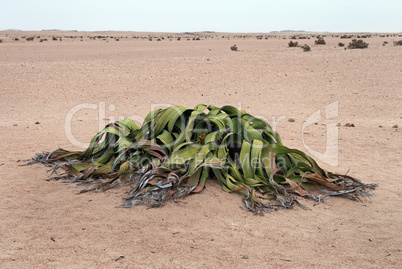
(346, 36)
(340, 44)
(306, 48)
(320, 41)
(357, 44)
(31, 38)
(233, 48)
(293, 44)
(398, 43)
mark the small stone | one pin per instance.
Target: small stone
(352, 125)
(245, 257)
(37, 122)
(395, 126)
(347, 125)
(338, 124)
(380, 126)
(291, 120)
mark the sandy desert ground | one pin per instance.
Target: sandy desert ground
(45, 224)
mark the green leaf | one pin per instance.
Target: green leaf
(248, 171)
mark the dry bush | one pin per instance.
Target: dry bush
(320, 41)
(398, 43)
(306, 48)
(357, 44)
(293, 44)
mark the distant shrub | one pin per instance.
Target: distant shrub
(117, 39)
(384, 43)
(346, 36)
(54, 39)
(306, 48)
(179, 38)
(398, 43)
(16, 39)
(293, 44)
(233, 48)
(31, 38)
(159, 39)
(340, 44)
(1, 40)
(357, 44)
(43, 39)
(320, 41)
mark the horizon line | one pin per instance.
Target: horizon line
(203, 31)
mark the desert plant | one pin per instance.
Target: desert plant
(320, 41)
(233, 48)
(306, 48)
(30, 38)
(340, 44)
(357, 44)
(293, 44)
(177, 149)
(398, 43)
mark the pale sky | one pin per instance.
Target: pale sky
(203, 15)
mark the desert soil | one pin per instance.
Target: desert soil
(45, 224)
